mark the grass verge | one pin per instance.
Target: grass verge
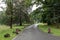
(54, 30)
(5, 29)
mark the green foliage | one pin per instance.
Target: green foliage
(27, 3)
(36, 15)
(3, 18)
(16, 11)
(20, 11)
(5, 29)
(54, 31)
(51, 10)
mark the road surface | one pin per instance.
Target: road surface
(33, 33)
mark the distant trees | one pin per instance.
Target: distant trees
(51, 10)
(36, 15)
(17, 12)
(48, 13)
(21, 10)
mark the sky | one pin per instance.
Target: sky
(35, 7)
(3, 5)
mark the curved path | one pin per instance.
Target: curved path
(33, 33)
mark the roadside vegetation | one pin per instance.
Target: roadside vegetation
(55, 31)
(5, 29)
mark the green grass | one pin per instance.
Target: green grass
(5, 29)
(54, 30)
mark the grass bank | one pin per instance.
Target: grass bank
(55, 31)
(5, 29)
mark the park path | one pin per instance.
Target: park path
(33, 33)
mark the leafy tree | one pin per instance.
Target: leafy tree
(9, 12)
(51, 11)
(36, 15)
(21, 8)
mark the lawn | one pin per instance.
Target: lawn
(55, 31)
(5, 29)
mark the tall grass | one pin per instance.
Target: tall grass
(5, 29)
(55, 31)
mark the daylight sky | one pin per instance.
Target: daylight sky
(3, 5)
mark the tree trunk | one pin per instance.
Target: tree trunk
(20, 23)
(20, 20)
(11, 23)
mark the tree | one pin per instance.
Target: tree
(51, 11)
(9, 11)
(20, 10)
(36, 15)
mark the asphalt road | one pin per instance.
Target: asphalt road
(33, 33)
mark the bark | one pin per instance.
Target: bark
(20, 20)
(11, 23)
(20, 23)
